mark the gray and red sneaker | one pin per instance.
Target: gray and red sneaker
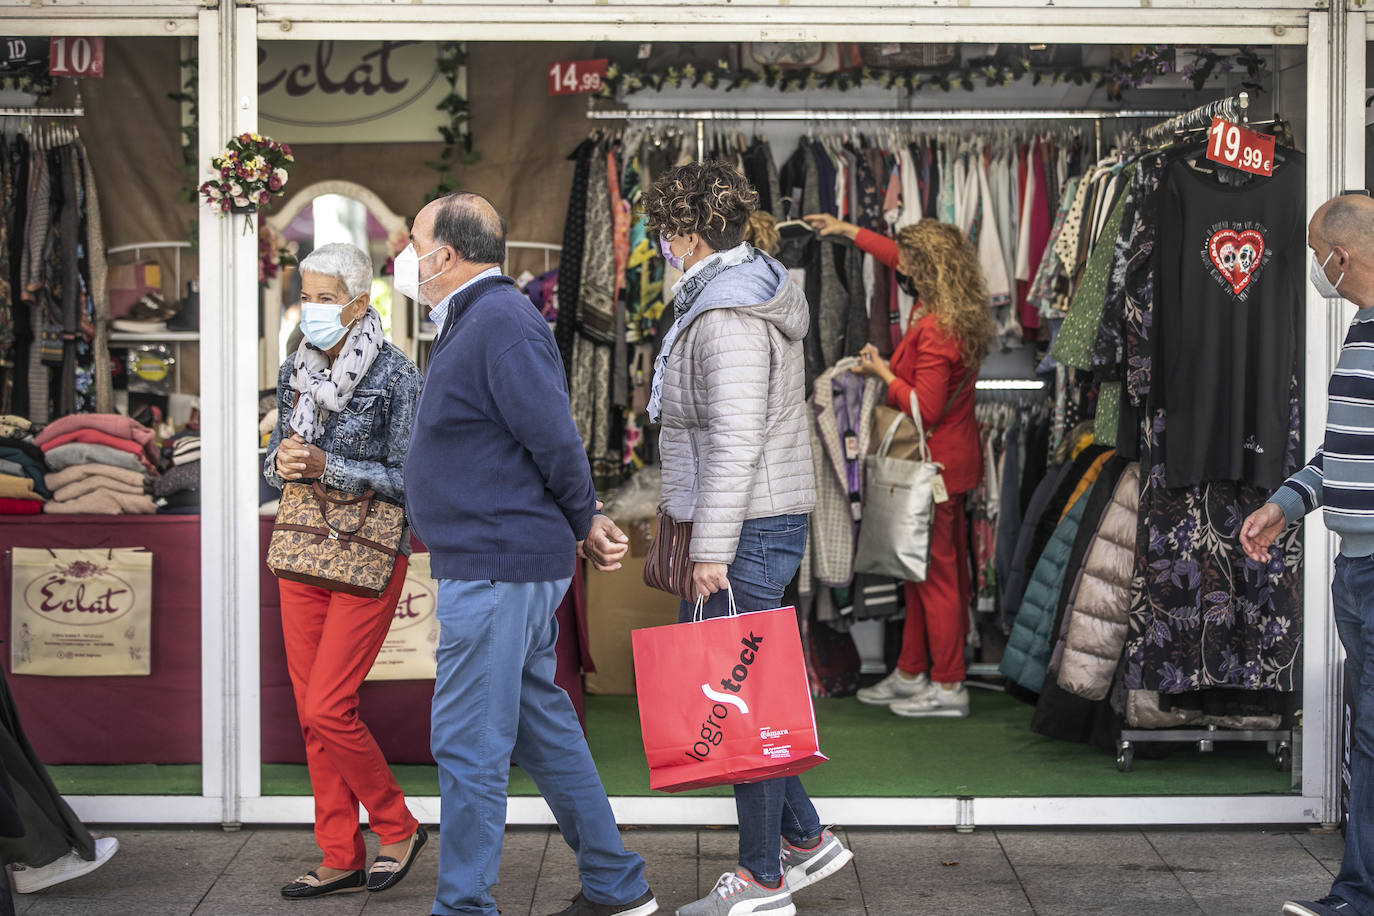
(804, 867)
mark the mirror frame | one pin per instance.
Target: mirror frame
(402, 334)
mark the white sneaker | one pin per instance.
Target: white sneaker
(935, 704)
(27, 880)
(895, 687)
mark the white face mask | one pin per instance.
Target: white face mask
(1324, 286)
(407, 273)
(321, 322)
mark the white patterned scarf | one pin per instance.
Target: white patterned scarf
(324, 389)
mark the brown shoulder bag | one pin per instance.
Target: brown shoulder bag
(336, 540)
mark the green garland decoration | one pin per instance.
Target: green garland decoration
(39, 84)
(190, 138)
(456, 132)
(1141, 70)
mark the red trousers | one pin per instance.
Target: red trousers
(937, 609)
(332, 640)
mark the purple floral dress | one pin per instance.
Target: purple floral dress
(1203, 614)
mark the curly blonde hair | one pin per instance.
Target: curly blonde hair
(941, 262)
(712, 199)
(762, 232)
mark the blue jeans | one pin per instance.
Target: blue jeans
(1352, 593)
(495, 701)
(769, 553)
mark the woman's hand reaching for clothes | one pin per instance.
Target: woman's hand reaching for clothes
(710, 578)
(299, 460)
(826, 224)
(872, 364)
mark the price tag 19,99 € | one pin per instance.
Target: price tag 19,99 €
(1234, 146)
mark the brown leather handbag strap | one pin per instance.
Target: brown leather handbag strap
(330, 534)
(322, 498)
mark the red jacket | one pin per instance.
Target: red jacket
(928, 360)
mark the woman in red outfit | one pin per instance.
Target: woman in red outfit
(948, 336)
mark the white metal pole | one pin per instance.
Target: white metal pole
(229, 533)
(214, 605)
(243, 449)
(1324, 325)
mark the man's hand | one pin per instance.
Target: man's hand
(606, 545)
(1260, 531)
(710, 578)
(298, 459)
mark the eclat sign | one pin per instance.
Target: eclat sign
(410, 648)
(350, 91)
(81, 613)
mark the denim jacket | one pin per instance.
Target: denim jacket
(365, 444)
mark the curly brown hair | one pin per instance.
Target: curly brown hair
(712, 199)
(943, 265)
(762, 232)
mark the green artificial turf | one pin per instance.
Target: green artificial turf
(128, 779)
(872, 753)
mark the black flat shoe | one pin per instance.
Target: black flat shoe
(386, 872)
(309, 885)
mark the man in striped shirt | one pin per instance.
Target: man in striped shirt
(1340, 480)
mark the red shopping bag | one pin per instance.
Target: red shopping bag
(725, 701)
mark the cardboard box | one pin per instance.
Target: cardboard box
(617, 603)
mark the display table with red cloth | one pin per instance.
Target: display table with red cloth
(156, 719)
(397, 712)
(153, 719)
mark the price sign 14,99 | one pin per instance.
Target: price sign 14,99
(574, 77)
(1233, 145)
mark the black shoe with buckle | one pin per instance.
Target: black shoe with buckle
(386, 872)
(581, 906)
(309, 885)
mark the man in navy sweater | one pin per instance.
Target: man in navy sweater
(500, 491)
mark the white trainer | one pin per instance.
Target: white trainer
(935, 704)
(28, 880)
(895, 687)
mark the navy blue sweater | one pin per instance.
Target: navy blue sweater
(497, 480)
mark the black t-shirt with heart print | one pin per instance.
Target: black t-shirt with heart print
(1228, 307)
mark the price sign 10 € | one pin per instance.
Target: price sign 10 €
(1233, 145)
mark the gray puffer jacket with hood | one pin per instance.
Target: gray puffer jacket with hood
(735, 444)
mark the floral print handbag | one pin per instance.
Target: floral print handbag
(336, 540)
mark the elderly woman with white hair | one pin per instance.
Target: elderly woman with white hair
(346, 400)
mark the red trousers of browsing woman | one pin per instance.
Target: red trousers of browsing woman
(937, 609)
(332, 639)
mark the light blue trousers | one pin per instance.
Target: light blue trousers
(495, 701)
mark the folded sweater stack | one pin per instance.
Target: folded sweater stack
(178, 489)
(22, 490)
(99, 489)
(101, 465)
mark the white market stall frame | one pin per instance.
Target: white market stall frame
(227, 35)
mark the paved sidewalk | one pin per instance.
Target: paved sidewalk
(1243, 872)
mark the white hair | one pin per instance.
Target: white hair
(348, 264)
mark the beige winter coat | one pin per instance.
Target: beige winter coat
(1098, 618)
(735, 443)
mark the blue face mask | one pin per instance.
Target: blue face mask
(321, 324)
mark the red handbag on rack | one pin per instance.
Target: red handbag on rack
(724, 701)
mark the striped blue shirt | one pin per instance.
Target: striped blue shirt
(1340, 477)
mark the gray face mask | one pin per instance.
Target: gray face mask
(1324, 286)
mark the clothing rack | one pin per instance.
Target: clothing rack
(77, 112)
(702, 115)
(1236, 109)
